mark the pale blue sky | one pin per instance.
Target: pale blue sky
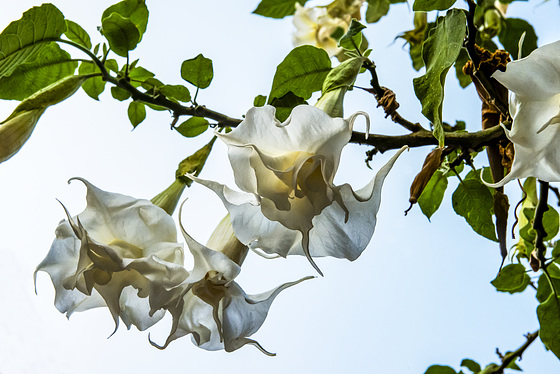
(419, 295)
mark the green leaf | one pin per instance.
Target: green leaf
(119, 93)
(428, 5)
(432, 196)
(277, 8)
(52, 64)
(543, 286)
(192, 127)
(19, 42)
(77, 34)
(464, 79)
(513, 278)
(489, 369)
(353, 37)
(260, 100)
(135, 10)
(471, 365)
(198, 71)
(285, 104)
(136, 113)
(473, 201)
(439, 369)
(177, 92)
(121, 33)
(376, 9)
(302, 72)
(112, 65)
(548, 314)
(93, 87)
(440, 51)
(138, 75)
(510, 34)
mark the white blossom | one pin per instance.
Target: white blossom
(120, 252)
(289, 203)
(534, 104)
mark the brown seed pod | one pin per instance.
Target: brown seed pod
(431, 164)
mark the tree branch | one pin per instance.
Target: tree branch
(512, 356)
(538, 259)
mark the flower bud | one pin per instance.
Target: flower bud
(431, 164)
(15, 131)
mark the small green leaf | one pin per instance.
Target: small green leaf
(277, 8)
(473, 201)
(112, 65)
(138, 75)
(135, 10)
(121, 33)
(177, 92)
(376, 9)
(511, 33)
(513, 278)
(302, 72)
(95, 86)
(489, 369)
(548, 314)
(77, 34)
(353, 37)
(20, 41)
(119, 93)
(198, 71)
(192, 127)
(432, 196)
(440, 51)
(428, 5)
(471, 365)
(136, 113)
(464, 79)
(52, 64)
(439, 369)
(285, 104)
(260, 100)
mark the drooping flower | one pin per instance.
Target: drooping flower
(314, 26)
(212, 306)
(534, 104)
(120, 252)
(289, 204)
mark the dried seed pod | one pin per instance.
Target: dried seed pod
(431, 164)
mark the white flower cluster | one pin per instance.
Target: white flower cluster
(122, 252)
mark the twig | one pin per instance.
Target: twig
(512, 356)
(538, 259)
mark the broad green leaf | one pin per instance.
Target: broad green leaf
(138, 75)
(302, 72)
(513, 278)
(177, 92)
(93, 87)
(550, 223)
(543, 286)
(277, 8)
(52, 64)
(376, 9)
(198, 71)
(471, 365)
(119, 93)
(285, 104)
(260, 100)
(439, 369)
(112, 65)
(473, 201)
(192, 127)
(548, 314)
(20, 42)
(440, 52)
(135, 10)
(510, 34)
(464, 79)
(121, 33)
(353, 37)
(428, 5)
(432, 196)
(136, 113)
(77, 34)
